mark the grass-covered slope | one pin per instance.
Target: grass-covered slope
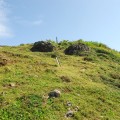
(89, 81)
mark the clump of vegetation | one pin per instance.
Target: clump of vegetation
(65, 43)
(65, 79)
(1, 100)
(89, 58)
(26, 107)
(106, 54)
(115, 75)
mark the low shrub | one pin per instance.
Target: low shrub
(65, 79)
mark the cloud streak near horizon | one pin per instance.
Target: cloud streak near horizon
(4, 27)
(30, 23)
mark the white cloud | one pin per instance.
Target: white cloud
(37, 22)
(4, 29)
(27, 23)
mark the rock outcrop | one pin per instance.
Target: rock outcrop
(42, 46)
(76, 49)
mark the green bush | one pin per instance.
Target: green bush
(89, 58)
(64, 43)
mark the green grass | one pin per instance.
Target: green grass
(94, 83)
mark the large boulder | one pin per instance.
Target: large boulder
(42, 46)
(76, 49)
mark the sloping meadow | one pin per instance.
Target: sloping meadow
(89, 82)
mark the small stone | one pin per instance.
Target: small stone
(12, 84)
(55, 93)
(69, 104)
(36, 76)
(69, 109)
(76, 109)
(70, 114)
(102, 116)
(78, 94)
(45, 97)
(3, 93)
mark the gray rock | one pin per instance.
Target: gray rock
(42, 46)
(76, 49)
(3, 61)
(70, 114)
(69, 104)
(76, 109)
(12, 84)
(55, 93)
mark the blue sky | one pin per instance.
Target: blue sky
(28, 21)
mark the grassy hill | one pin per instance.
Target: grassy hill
(89, 81)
